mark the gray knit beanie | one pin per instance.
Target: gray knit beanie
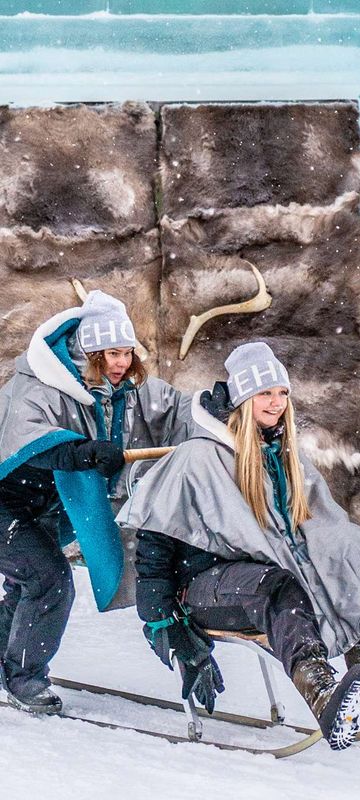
(105, 324)
(253, 367)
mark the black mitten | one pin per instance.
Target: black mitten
(218, 403)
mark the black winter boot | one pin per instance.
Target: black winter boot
(336, 706)
(353, 656)
(44, 702)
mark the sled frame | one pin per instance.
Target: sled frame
(254, 641)
(258, 643)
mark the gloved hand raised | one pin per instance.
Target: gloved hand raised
(217, 403)
(192, 646)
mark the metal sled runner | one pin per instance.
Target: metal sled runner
(259, 644)
(255, 642)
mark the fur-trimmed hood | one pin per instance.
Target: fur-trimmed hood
(43, 355)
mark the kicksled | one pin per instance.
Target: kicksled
(196, 716)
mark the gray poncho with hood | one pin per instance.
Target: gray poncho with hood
(191, 495)
(46, 403)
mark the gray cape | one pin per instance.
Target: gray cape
(46, 403)
(191, 495)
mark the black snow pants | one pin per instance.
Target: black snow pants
(39, 593)
(246, 595)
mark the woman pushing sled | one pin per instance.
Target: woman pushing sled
(79, 396)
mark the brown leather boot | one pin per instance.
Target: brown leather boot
(353, 656)
(336, 706)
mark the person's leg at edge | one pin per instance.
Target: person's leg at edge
(37, 565)
(273, 601)
(7, 610)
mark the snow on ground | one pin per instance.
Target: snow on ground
(63, 758)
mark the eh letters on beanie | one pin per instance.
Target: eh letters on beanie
(105, 324)
(253, 367)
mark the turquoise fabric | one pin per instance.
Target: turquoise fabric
(40, 445)
(119, 403)
(118, 400)
(275, 468)
(84, 496)
(57, 340)
(99, 416)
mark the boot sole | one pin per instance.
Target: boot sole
(14, 702)
(347, 721)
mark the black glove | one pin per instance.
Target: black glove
(108, 458)
(192, 646)
(205, 681)
(218, 403)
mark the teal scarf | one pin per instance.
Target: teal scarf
(275, 469)
(118, 400)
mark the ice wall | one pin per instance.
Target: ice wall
(61, 51)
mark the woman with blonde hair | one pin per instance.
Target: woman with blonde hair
(237, 529)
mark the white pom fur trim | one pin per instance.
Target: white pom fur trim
(45, 364)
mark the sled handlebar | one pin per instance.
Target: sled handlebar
(140, 453)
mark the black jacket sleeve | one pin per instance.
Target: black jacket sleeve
(166, 565)
(157, 584)
(106, 457)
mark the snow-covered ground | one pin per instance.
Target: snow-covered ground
(61, 759)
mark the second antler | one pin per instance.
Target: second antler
(261, 301)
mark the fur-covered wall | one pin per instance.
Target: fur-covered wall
(76, 200)
(277, 186)
(167, 210)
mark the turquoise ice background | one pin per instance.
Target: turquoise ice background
(261, 50)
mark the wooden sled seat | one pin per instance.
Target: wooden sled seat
(249, 635)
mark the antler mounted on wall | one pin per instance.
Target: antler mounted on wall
(82, 295)
(261, 301)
